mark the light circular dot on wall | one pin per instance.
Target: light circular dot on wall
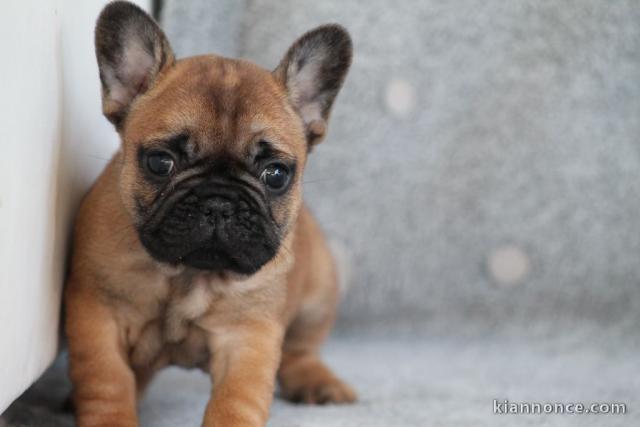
(400, 97)
(509, 265)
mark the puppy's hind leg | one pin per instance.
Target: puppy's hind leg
(302, 375)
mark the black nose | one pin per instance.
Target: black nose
(217, 207)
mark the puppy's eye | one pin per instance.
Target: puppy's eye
(160, 163)
(275, 176)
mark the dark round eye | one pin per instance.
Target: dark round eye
(160, 163)
(275, 176)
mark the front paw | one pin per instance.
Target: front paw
(320, 390)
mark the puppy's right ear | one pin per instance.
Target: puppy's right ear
(132, 51)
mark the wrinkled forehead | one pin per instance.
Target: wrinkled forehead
(224, 105)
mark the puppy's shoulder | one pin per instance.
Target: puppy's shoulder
(102, 205)
(103, 230)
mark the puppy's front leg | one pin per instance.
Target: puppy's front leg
(244, 362)
(104, 390)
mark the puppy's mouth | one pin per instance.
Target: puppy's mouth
(213, 254)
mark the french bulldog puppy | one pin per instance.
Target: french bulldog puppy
(194, 247)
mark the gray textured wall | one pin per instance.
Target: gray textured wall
(482, 171)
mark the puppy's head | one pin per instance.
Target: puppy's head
(213, 149)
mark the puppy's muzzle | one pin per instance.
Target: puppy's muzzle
(214, 226)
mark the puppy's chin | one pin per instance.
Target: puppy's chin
(210, 259)
(217, 259)
(214, 261)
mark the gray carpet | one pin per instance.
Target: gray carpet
(412, 383)
(481, 182)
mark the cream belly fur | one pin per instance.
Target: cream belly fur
(173, 329)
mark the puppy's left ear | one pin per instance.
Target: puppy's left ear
(312, 71)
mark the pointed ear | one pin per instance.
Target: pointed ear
(131, 50)
(312, 72)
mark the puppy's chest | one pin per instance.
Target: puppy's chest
(169, 332)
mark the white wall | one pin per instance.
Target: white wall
(54, 142)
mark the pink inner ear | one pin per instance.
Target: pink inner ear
(304, 86)
(131, 76)
(310, 112)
